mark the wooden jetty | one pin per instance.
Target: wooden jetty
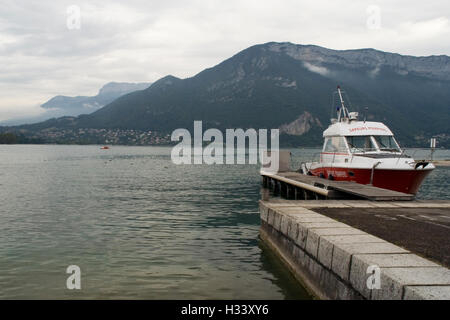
(442, 163)
(294, 185)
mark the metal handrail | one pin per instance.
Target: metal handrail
(312, 160)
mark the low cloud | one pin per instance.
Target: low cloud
(316, 69)
(142, 41)
(373, 73)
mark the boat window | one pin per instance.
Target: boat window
(335, 144)
(360, 144)
(387, 143)
(326, 145)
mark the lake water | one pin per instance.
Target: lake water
(138, 226)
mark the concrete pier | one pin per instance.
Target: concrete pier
(340, 249)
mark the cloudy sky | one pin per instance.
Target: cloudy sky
(45, 50)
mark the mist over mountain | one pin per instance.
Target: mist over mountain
(60, 106)
(285, 86)
(74, 106)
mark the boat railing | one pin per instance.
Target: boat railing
(401, 155)
(314, 156)
(362, 150)
(317, 155)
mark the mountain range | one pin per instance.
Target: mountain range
(290, 87)
(74, 106)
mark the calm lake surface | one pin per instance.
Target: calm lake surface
(140, 227)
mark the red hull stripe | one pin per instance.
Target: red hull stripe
(407, 181)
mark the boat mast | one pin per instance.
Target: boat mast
(343, 109)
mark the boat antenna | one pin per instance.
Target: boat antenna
(342, 110)
(366, 109)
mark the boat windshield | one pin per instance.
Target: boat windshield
(360, 144)
(387, 143)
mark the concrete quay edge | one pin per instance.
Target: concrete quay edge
(328, 255)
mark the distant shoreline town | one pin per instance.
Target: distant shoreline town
(132, 137)
(86, 136)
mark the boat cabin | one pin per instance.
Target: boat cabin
(359, 137)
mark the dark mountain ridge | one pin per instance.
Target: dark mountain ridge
(288, 86)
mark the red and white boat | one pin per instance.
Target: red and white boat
(366, 152)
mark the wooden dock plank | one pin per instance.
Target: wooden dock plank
(347, 187)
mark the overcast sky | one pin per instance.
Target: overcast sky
(43, 53)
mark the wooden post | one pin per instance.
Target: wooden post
(265, 194)
(276, 187)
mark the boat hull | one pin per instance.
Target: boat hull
(407, 181)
